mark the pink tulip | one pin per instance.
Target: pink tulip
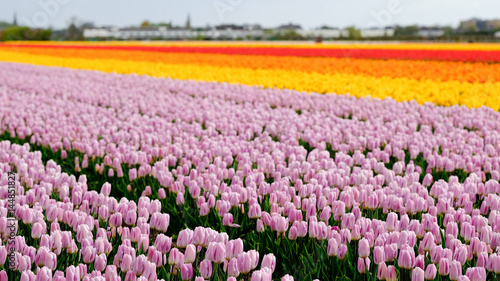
(342, 252)
(206, 268)
(476, 273)
(391, 273)
(428, 242)
(36, 231)
(333, 247)
(244, 263)
(100, 262)
(187, 271)
(382, 271)
(378, 254)
(260, 225)
(363, 265)
(406, 258)
(190, 254)
(175, 257)
(269, 261)
(430, 272)
(417, 274)
(364, 248)
(254, 211)
(444, 267)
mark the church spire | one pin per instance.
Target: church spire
(15, 19)
(188, 22)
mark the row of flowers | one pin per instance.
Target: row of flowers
(329, 185)
(83, 236)
(349, 51)
(447, 93)
(414, 69)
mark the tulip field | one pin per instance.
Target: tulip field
(168, 161)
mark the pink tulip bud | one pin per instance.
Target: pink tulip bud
(254, 211)
(444, 267)
(260, 225)
(204, 209)
(378, 254)
(348, 221)
(269, 261)
(115, 220)
(467, 231)
(111, 273)
(244, 263)
(190, 254)
(391, 221)
(175, 257)
(100, 262)
(3, 255)
(292, 233)
(417, 274)
(333, 247)
(37, 230)
(106, 189)
(185, 237)
(364, 248)
(455, 270)
(237, 247)
(187, 271)
(476, 273)
(391, 273)
(43, 274)
(232, 268)
(162, 194)
(342, 252)
(163, 243)
(227, 220)
(206, 268)
(302, 229)
(428, 242)
(406, 258)
(382, 271)
(363, 265)
(430, 272)
(132, 174)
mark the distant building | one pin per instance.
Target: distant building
(492, 24)
(290, 26)
(98, 32)
(14, 22)
(324, 33)
(377, 32)
(174, 33)
(497, 34)
(229, 27)
(479, 25)
(429, 32)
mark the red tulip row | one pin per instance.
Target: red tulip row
(443, 55)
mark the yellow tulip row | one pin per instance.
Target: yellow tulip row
(445, 93)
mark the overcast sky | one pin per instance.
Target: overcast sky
(268, 13)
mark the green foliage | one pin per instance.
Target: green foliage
(4, 24)
(288, 36)
(24, 33)
(410, 30)
(354, 33)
